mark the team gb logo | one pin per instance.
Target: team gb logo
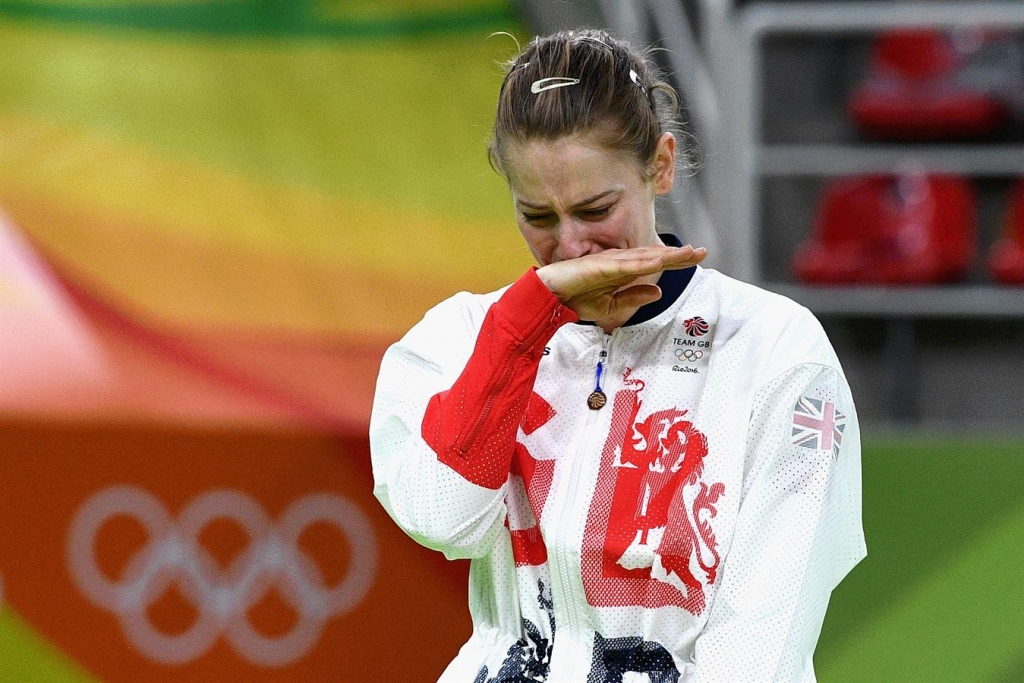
(648, 538)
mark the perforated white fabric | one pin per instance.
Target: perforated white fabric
(694, 527)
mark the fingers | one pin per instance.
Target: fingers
(612, 301)
(684, 257)
(631, 263)
(614, 268)
(666, 258)
(633, 297)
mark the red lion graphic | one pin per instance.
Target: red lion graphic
(641, 530)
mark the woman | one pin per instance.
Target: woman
(654, 468)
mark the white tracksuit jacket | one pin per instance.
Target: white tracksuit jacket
(689, 530)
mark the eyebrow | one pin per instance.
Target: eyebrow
(588, 200)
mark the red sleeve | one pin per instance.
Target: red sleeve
(472, 426)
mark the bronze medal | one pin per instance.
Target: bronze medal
(596, 400)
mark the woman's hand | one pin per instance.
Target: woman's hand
(604, 286)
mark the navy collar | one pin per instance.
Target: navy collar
(672, 284)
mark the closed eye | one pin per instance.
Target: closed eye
(596, 214)
(539, 219)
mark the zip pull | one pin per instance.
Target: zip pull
(597, 398)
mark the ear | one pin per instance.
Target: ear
(665, 163)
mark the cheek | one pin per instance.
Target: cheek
(619, 231)
(637, 225)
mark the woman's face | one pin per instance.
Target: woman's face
(575, 197)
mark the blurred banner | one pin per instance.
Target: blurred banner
(163, 554)
(214, 217)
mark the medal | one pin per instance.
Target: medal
(597, 397)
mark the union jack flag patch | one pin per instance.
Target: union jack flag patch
(818, 425)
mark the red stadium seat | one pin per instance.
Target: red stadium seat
(1006, 259)
(916, 54)
(840, 250)
(908, 229)
(920, 87)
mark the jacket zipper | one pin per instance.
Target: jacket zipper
(499, 386)
(565, 520)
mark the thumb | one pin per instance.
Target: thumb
(635, 296)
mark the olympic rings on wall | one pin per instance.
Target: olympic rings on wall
(222, 597)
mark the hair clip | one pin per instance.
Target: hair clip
(552, 83)
(635, 78)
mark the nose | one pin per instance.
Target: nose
(574, 240)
